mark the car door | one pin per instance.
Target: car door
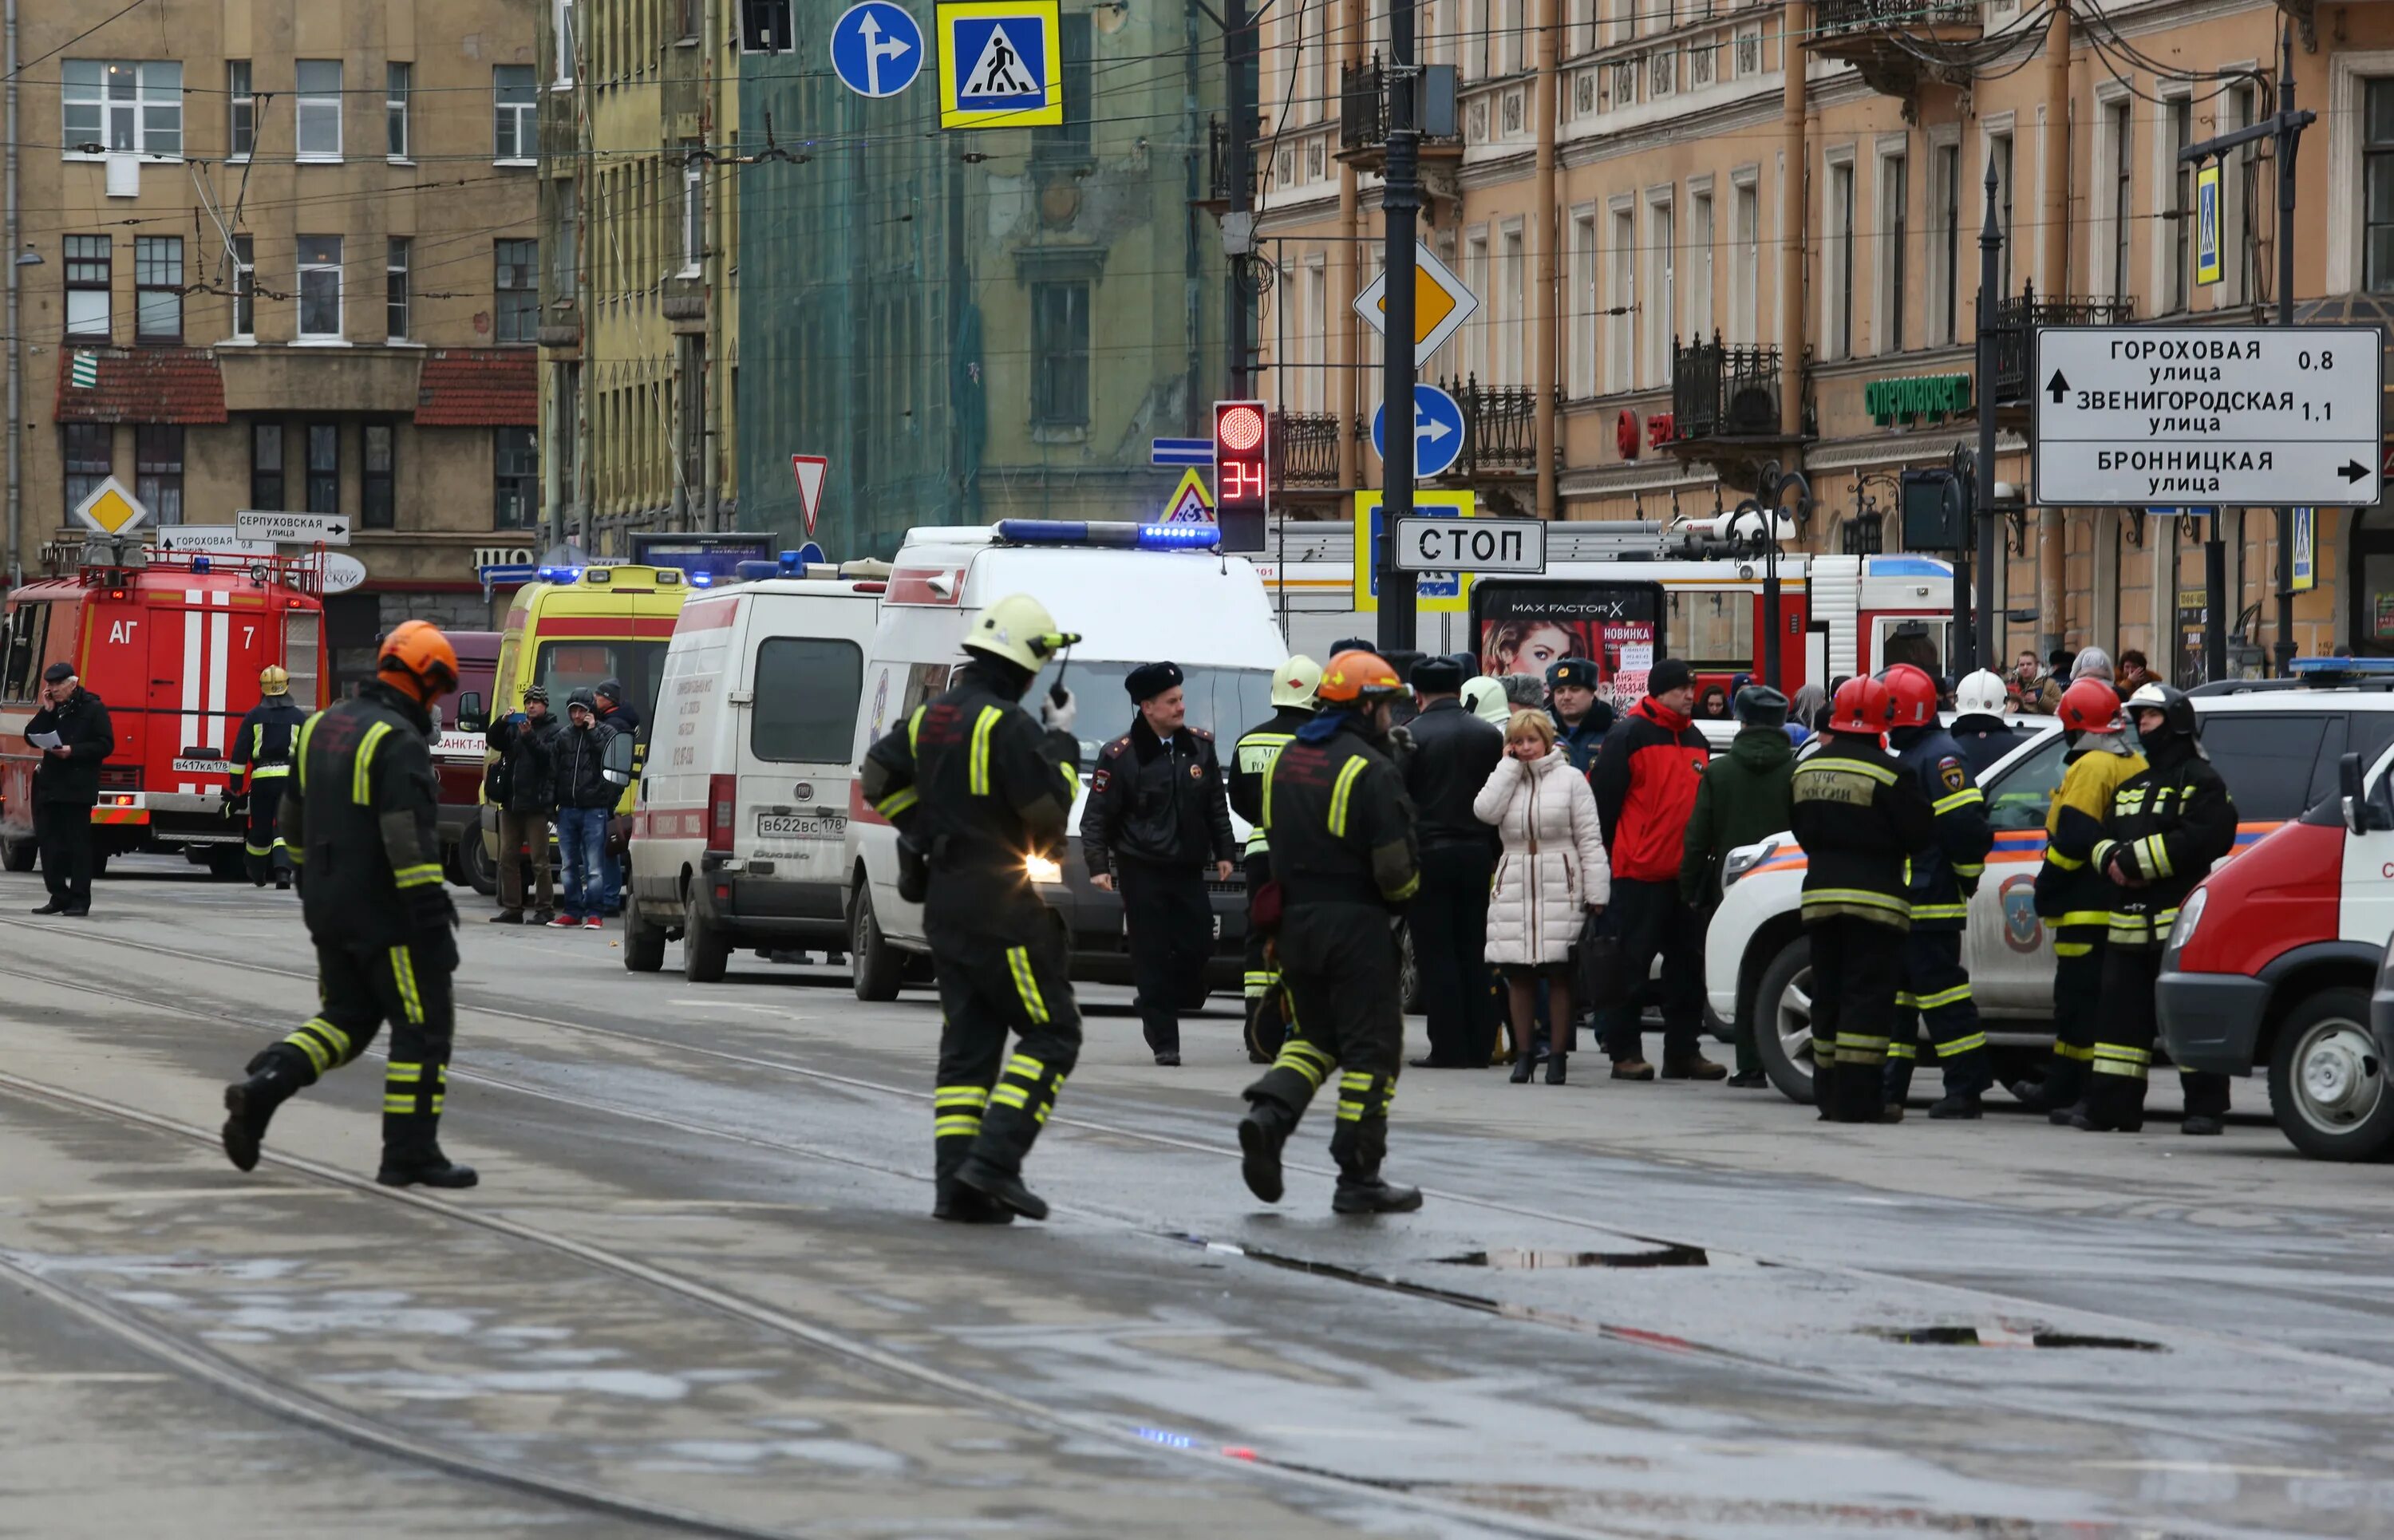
(803, 692)
(2007, 948)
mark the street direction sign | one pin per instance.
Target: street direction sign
(1180, 452)
(111, 509)
(211, 540)
(1442, 304)
(1001, 64)
(1425, 545)
(292, 529)
(876, 49)
(1441, 591)
(2131, 417)
(810, 469)
(1438, 431)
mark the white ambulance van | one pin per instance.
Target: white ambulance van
(740, 826)
(1136, 594)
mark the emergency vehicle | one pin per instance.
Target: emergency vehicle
(1136, 594)
(459, 749)
(172, 643)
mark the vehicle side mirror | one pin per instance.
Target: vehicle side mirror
(2355, 807)
(618, 764)
(469, 711)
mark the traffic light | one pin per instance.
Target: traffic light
(1242, 472)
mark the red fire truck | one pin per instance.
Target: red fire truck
(172, 645)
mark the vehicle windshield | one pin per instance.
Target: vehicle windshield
(2020, 793)
(1225, 701)
(583, 662)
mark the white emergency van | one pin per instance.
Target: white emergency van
(1135, 593)
(740, 827)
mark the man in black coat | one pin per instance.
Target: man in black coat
(1157, 814)
(66, 785)
(526, 741)
(1454, 753)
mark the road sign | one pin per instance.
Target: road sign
(1180, 452)
(810, 469)
(2206, 224)
(111, 509)
(1441, 305)
(292, 529)
(1188, 503)
(1001, 64)
(1438, 431)
(1471, 544)
(2306, 550)
(812, 555)
(211, 540)
(876, 49)
(1446, 591)
(2131, 417)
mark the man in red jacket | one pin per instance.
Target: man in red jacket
(1644, 783)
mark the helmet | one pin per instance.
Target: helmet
(1759, 706)
(1980, 694)
(1296, 683)
(1863, 704)
(272, 681)
(1018, 629)
(2177, 712)
(417, 652)
(2090, 706)
(1357, 677)
(1915, 695)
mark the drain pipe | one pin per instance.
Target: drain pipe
(16, 348)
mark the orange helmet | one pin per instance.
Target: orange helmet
(1863, 704)
(416, 654)
(1356, 677)
(1916, 695)
(2090, 706)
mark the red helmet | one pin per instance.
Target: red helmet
(2090, 706)
(1916, 695)
(1863, 704)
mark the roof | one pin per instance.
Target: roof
(479, 388)
(143, 384)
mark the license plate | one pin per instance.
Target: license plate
(801, 825)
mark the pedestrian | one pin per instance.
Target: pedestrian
(1551, 875)
(1293, 683)
(2137, 671)
(1158, 820)
(1344, 865)
(2074, 896)
(1485, 699)
(364, 809)
(1454, 755)
(2168, 826)
(1944, 877)
(1582, 719)
(524, 783)
(1978, 725)
(2089, 662)
(585, 798)
(66, 785)
(2040, 693)
(1743, 797)
(1809, 708)
(1859, 819)
(262, 748)
(1713, 704)
(1645, 783)
(976, 787)
(616, 713)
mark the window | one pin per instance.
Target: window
(516, 288)
(320, 285)
(245, 288)
(2266, 760)
(1745, 277)
(90, 450)
(378, 494)
(266, 465)
(1581, 369)
(1894, 235)
(2122, 196)
(1949, 274)
(1999, 151)
(517, 461)
(1841, 288)
(1624, 319)
(1863, 534)
(319, 83)
(158, 471)
(2377, 182)
(1700, 266)
(241, 109)
(765, 26)
(28, 633)
(158, 288)
(511, 86)
(691, 18)
(1069, 140)
(693, 216)
(1512, 319)
(807, 691)
(2236, 186)
(1661, 235)
(88, 285)
(398, 87)
(565, 42)
(323, 468)
(394, 279)
(2021, 795)
(117, 106)
(1059, 355)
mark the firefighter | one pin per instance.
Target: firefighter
(1944, 877)
(1344, 863)
(2166, 827)
(1859, 818)
(1291, 698)
(2074, 897)
(363, 808)
(262, 748)
(977, 792)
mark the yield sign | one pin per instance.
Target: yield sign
(810, 469)
(1442, 304)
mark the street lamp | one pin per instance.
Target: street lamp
(1757, 521)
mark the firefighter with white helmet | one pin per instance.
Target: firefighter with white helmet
(263, 746)
(1979, 727)
(1293, 688)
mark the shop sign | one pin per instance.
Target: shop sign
(1913, 397)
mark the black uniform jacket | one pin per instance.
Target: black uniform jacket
(1251, 760)
(1947, 873)
(2168, 826)
(361, 818)
(1454, 753)
(1859, 818)
(1342, 828)
(267, 739)
(81, 724)
(1157, 799)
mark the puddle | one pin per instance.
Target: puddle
(1972, 1336)
(1521, 1260)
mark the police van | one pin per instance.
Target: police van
(1136, 594)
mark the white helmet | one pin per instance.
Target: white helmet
(1980, 694)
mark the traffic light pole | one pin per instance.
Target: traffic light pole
(1238, 50)
(1399, 628)
(1979, 648)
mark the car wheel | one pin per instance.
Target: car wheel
(705, 951)
(2328, 1080)
(879, 967)
(474, 861)
(18, 855)
(1782, 1019)
(644, 942)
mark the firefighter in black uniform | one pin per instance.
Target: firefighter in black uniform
(1858, 817)
(1292, 697)
(2168, 826)
(1944, 876)
(364, 807)
(262, 748)
(979, 793)
(1343, 866)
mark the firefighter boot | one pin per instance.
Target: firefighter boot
(952, 1200)
(275, 1076)
(1261, 1133)
(411, 1153)
(1359, 1146)
(1004, 1187)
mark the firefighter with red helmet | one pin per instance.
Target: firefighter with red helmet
(1344, 865)
(1944, 876)
(1859, 818)
(360, 813)
(262, 748)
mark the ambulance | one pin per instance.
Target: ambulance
(459, 748)
(1136, 594)
(172, 643)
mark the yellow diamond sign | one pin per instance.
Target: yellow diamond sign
(1442, 304)
(111, 509)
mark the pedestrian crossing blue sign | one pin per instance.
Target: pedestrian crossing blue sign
(1001, 64)
(2206, 224)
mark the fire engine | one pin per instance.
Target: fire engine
(172, 644)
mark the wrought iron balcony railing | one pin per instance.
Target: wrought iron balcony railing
(1722, 391)
(2016, 323)
(1306, 446)
(1852, 16)
(1500, 428)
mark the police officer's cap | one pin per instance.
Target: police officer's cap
(1759, 706)
(1436, 676)
(1151, 679)
(1572, 674)
(58, 673)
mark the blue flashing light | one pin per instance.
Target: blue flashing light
(702, 580)
(200, 564)
(559, 574)
(793, 564)
(2344, 668)
(1179, 537)
(1108, 534)
(756, 572)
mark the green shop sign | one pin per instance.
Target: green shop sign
(1916, 395)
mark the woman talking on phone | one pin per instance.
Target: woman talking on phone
(1551, 874)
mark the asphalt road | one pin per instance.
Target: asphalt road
(697, 1291)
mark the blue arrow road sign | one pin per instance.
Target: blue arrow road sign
(1438, 430)
(876, 49)
(1181, 452)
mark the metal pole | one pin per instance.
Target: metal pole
(1399, 626)
(1235, 36)
(2290, 135)
(16, 569)
(1773, 618)
(1982, 648)
(2215, 602)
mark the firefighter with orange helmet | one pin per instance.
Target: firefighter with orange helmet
(262, 748)
(1344, 865)
(360, 813)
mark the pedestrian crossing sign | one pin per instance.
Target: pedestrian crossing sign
(1188, 503)
(1001, 64)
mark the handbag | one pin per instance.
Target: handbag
(1599, 970)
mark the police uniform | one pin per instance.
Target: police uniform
(1582, 739)
(2074, 898)
(1944, 878)
(1251, 762)
(263, 746)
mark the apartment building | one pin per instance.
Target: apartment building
(1709, 235)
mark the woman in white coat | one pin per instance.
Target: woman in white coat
(1551, 875)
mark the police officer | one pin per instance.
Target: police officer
(1454, 753)
(1251, 760)
(66, 785)
(2168, 824)
(365, 808)
(1342, 854)
(977, 792)
(1580, 719)
(1157, 818)
(1944, 877)
(1859, 817)
(262, 748)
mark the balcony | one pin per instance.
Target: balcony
(1725, 398)
(1500, 429)
(1364, 120)
(1306, 444)
(1892, 42)
(2016, 324)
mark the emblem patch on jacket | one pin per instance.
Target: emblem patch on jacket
(1950, 771)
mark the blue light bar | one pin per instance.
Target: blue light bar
(702, 580)
(2343, 665)
(200, 564)
(1112, 535)
(751, 572)
(559, 574)
(1179, 537)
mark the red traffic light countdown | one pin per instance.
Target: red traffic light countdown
(1242, 472)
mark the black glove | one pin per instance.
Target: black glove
(236, 806)
(432, 926)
